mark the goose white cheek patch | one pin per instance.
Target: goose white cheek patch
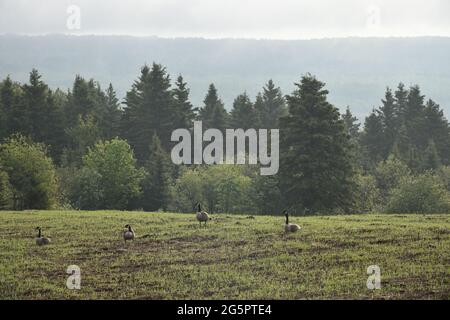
(236, 152)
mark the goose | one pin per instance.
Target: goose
(128, 234)
(41, 240)
(202, 216)
(290, 227)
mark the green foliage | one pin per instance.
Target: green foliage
(149, 110)
(316, 163)
(388, 175)
(6, 193)
(367, 196)
(184, 112)
(266, 195)
(424, 193)
(221, 188)
(270, 106)
(405, 126)
(243, 114)
(156, 184)
(79, 138)
(31, 173)
(109, 177)
(372, 140)
(213, 113)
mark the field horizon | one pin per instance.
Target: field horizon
(234, 257)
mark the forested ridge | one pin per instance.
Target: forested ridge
(84, 148)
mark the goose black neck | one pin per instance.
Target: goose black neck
(39, 233)
(129, 228)
(199, 208)
(287, 218)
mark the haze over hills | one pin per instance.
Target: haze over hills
(356, 70)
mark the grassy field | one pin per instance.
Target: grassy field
(234, 257)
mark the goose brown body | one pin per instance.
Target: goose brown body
(202, 216)
(290, 227)
(129, 233)
(40, 239)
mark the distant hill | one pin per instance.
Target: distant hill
(356, 70)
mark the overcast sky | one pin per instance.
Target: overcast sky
(275, 19)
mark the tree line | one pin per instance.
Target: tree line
(85, 149)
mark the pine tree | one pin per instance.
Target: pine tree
(213, 113)
(271, 106)
(155, 185)
(243, 114)
(184, 112)
(316, 166)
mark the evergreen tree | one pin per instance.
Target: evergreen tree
(352, 128)
(213, 113)
(36, 104)
(437, 128)
(149, 110)
(390, 121)
(430, 159)
(401, 98)
(243, 114)
(79, 102)
(414, 118)
(14, 108)
(372, 139)
(271, 107)
(184, 112)
(316, 166)
(113, 115)
(80, 137)
(352, 124)
(155, 185)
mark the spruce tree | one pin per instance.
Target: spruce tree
(352, 124)
(156, 184)
(316, 165)
(271, 107)
(184, 112)
(401, 98)
(390, 121)
(149, 110)
(414, 118)
(243, 114)
(213, 113)
(113, 115)
(437, 128)
(372, 139)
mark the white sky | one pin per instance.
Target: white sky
(274, 19)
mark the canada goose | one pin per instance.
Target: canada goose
(41, 240)
(289, 227)
(202, 216)
(128, 234)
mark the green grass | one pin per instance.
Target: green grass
(235, 257)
